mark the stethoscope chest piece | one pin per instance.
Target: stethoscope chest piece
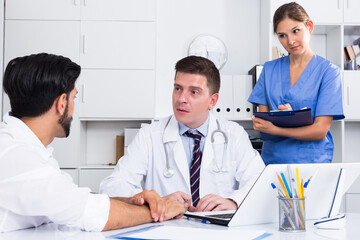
(168, 172)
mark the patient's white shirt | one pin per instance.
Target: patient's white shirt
(33, 189)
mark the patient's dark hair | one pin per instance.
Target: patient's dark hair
(202, 66)
(34, 82)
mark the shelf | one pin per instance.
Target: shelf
(100, 166)
(320, 29)
(352, 29)
(114, 119)
(351, 120)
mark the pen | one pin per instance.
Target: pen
(281, 194)
(286, 185)
(198, 220)
(307, 182)
(295, 191)
(290, 177)
(288, 217)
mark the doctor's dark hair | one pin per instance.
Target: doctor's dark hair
(34, 82)
(202, 66)
(290, 10)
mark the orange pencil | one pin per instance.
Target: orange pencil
(302, 187)
(282, 185)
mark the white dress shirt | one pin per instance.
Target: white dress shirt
(34, 191)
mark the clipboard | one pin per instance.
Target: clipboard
(289, 119)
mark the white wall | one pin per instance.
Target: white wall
(235, 22)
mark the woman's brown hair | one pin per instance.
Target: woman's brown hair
(290, 10)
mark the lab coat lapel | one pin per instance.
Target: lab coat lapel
(175, 149)
(208, 153)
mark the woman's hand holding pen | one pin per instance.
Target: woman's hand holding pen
(284, 107)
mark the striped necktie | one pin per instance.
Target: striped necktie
(195, 167)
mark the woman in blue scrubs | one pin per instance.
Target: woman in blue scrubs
(300, 80)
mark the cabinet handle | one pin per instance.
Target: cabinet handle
(83, 93)
(338, 4)
(84, 3)
(347, 4)
(76, 2)
(348, 95)
(83, 44)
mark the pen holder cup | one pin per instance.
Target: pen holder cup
(291, 214)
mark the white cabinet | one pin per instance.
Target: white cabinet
(114, 10)
(91, 178)
(351, 11)
(74, 173)
(117, 94)
(324, 11)
(351, 94)
(128, 10)
(67, 150)
(315, 9)
(43, 9)
(27, 37)
(114, 41)
(118, 45)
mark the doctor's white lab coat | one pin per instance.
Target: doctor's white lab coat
(143, 164)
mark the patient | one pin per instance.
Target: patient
(33, 190)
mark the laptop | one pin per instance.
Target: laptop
(260, 205)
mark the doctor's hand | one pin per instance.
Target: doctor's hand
(212, 202)
(181, 197)
(157, 204)
(174, 209)
(264, 126)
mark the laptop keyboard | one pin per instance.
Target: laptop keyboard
(222, 216)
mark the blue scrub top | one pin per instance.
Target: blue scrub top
(318, 88)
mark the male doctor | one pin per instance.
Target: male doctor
(185, 156)
(33, 190)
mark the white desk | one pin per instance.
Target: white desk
(55, 232)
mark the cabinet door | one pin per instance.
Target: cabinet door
(91, 178)
(67, 150)
(117, 94)
(129, 10)
(118, 45)
(28, 37)
(351, 11)
(320, 11)
(351, 94)
(74, 173)
(43, 9)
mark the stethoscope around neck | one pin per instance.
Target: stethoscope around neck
(169, 171)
